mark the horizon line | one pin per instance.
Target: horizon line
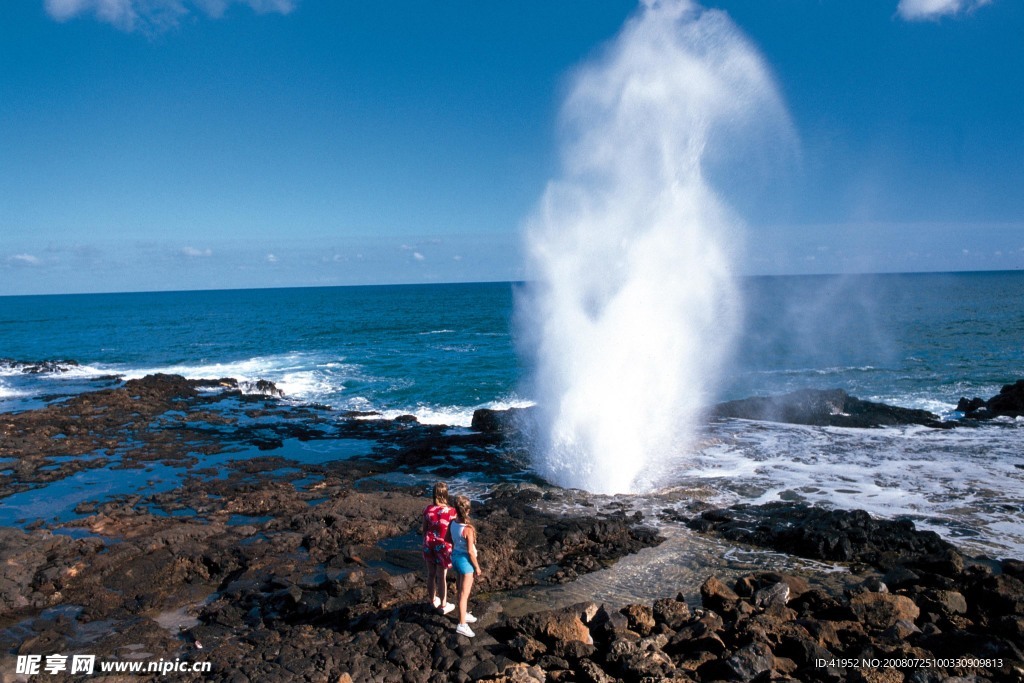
(490, 282)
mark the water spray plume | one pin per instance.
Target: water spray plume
(631, 307)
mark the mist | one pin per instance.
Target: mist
(632, 306)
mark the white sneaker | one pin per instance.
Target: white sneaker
(448, 608)
(464, 630)
(437, 601)
(470, 619)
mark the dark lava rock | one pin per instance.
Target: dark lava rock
(38, 367)
(751, 660)
(501, 421)
(1009, 402)
(832, 407)
(262, 387)
(818, 533)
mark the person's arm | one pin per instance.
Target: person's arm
(470, 534)
(448, 534)
(424, 534)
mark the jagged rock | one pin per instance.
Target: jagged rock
(750, 660)
(902, 630)
(715, 595)
(1003, 594)
(646, 664)
(590, 672)
(552, 627)
(805, 651)
(262, 387)
(529, 649)
(500, 421)
(1009, 402)
(820, 533)
(776, 594)
(945, 601)
(746, 586)
(832, 407)
(900, 577)
(639, 618)
(671, 613)
(883, 610)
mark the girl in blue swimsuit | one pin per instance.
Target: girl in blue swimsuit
(462, 535)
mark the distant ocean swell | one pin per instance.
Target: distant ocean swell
(301, 377)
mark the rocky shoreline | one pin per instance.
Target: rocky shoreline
(274, 568)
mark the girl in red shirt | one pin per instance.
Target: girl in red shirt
(437, 550)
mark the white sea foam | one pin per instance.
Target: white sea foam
(66, 372)
(7, 392)
(961, 483)
(632, 307)
(301, 377)
(453, 416)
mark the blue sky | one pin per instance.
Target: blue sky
(192, 144)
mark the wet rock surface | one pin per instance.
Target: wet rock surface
(835, 535)
(828, 407)
(279, 569)
(1009, 402)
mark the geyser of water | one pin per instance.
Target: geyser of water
(631, 307)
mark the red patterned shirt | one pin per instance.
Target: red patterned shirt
(437, 518)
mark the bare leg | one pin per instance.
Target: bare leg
(458, 596)
(442, 584)
(431, 581)
(464, 584)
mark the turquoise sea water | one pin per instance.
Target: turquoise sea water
(440, 351)
(915, 340)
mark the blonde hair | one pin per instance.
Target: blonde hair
(462, 510)
(440, 493)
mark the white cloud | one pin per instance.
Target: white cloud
(272, 258)
(192, 252)
(24, 260)
(155, 15)
(418, 256)
(924, 10)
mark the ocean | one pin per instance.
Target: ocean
(441, 351)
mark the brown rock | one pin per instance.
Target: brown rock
(592, 673)
(750, 660)
(640, 618)
(529, 649)
(553, 627)
(671, 613)
(888, 675)
(883, 610)
(717, 596)
(695, 661)
(645, 665)
(950, 602)
(823, 632)
(901, 630)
